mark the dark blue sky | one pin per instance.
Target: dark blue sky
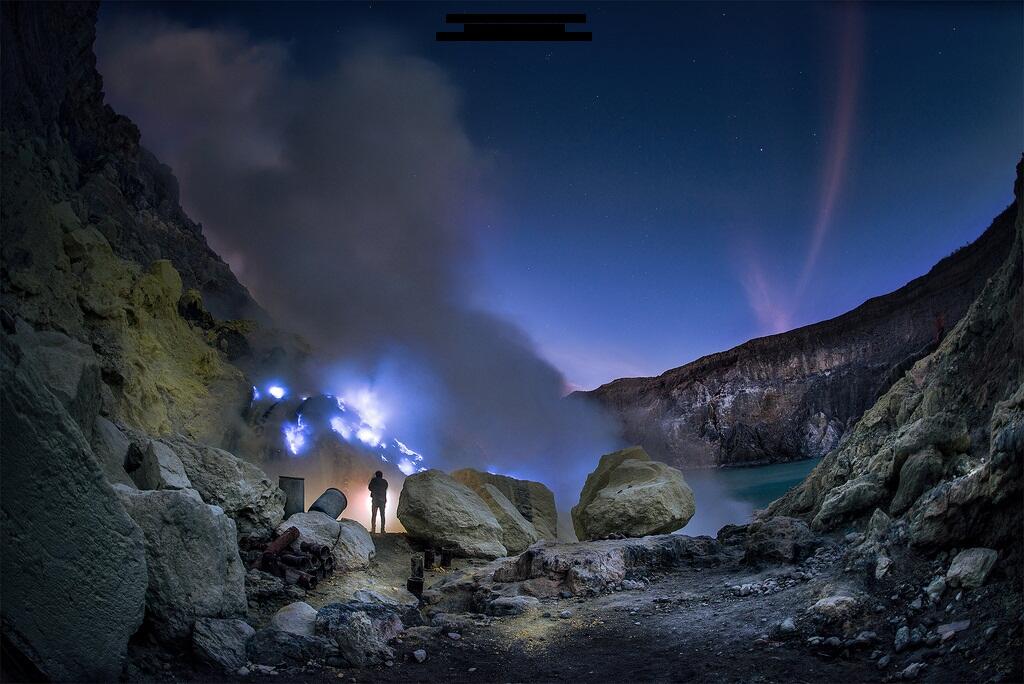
(655, 194)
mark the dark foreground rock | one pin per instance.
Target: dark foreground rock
(74, 566)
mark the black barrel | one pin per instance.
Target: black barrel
(294, 489)
(332, 503)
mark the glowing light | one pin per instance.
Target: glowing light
(367, 436)
(276, 391)
(339, 425)
(406, 466)
(366, 404)
(295, 435)
(255, 393)
(416, 457)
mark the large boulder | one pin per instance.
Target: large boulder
(297, 618)
(154, 465)
(971, 567)
(435, 508)
(192, 556)
(221, 643)
(778, 540)
(73, 562)
(360, 630)
(110, 445)
(275, 647)
(631, 495)
(349, 541)
(533, 500)
(243, 490)
(68, 368)
(517, 533)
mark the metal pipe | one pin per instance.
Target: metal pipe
(331, 503)
(417, 565)
(283, 542)
(295, 561)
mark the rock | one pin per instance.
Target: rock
(221, 643)
(243, 490)
(935, 589)
(261, 585)
(779, 540)
(70, 619)
(879, 524)
(454, 636)
(512, 605)
(68, 369)
(916, 604)
(350, 543)
(158, 466)
(786, 627)
(517, 533)
(359, 642)
(971, 567)
(920, 472)
(297, 618)
(952, 627)
(911, 672)
(565, 614)
(419, 655)
(883, 662)
(335, 618)
(110, 446)
(835, 608)
(882, 565)
(192, 559)
(902, 639)
(850, 498)
(632, 585)
(534, 501)
(275, 647)
(550, 568)
(630, 495)
(435, 508)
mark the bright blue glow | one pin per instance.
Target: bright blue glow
(276, 391)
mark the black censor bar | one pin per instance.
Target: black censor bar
(514, 27)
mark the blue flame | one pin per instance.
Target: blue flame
(276, 391)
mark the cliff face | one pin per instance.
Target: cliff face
(54, 118)
(793, 395)
(943, 449)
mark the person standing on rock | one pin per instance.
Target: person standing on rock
(378, 499)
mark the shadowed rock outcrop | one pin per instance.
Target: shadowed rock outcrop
(793, 395)
(74, 566)
(944, 446)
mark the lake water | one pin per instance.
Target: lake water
(730, 495)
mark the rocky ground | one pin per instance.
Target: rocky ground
(719, 615)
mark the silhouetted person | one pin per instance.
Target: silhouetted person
(378, 499)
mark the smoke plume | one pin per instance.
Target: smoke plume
(350, 203)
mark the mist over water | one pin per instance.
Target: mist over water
(729, 496)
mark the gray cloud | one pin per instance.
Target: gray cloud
(349, 204)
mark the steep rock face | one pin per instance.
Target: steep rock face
(53, 112)
(945, 443)
(73, 561)
(793, 395)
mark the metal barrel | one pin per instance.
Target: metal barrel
(415, 586)
(294, 489)
(331, 503)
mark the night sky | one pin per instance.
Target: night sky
(699, 174)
